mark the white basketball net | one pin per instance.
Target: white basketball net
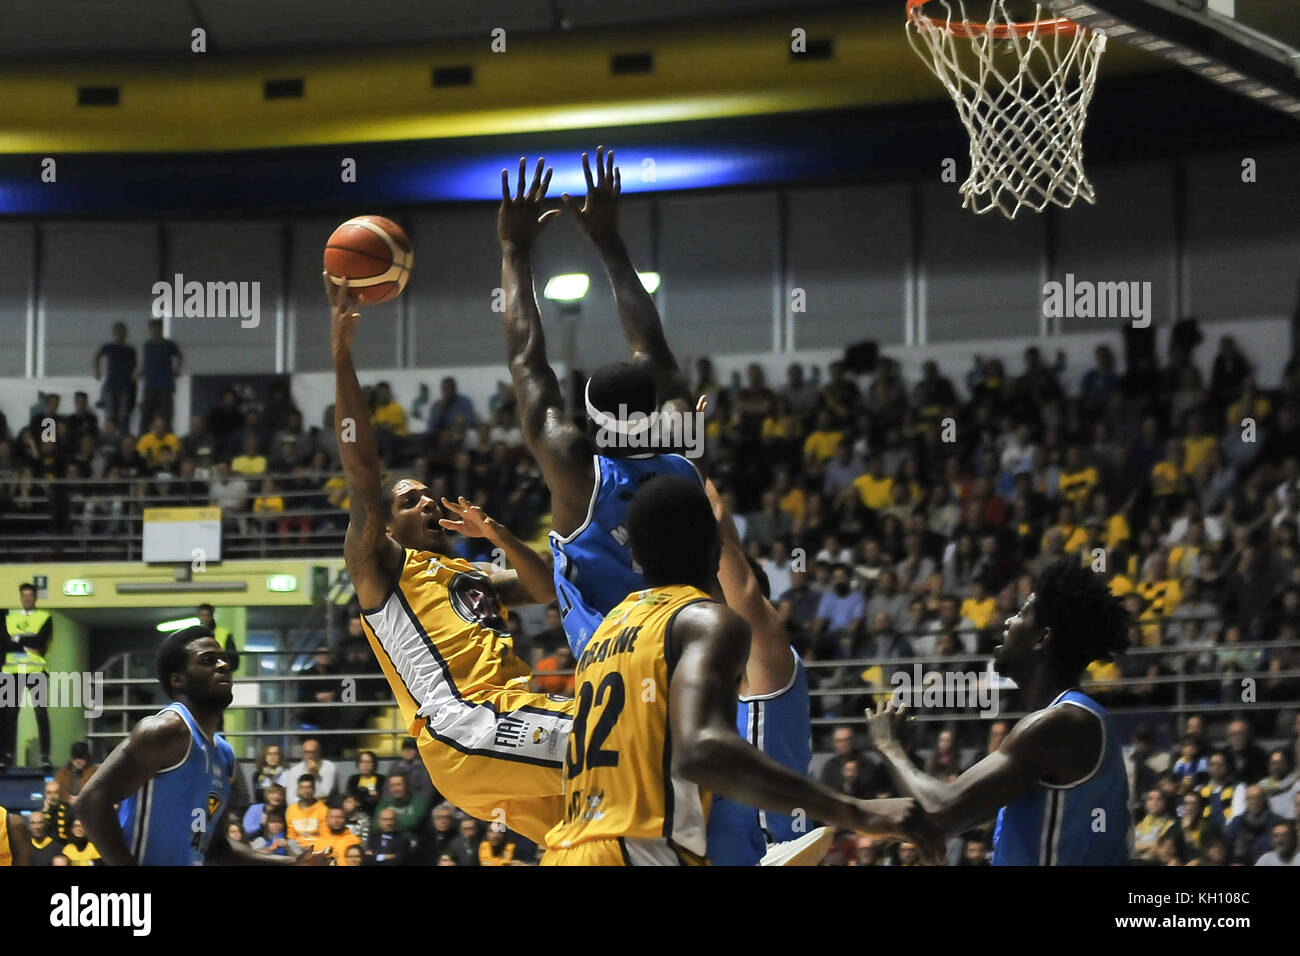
(1021, 92)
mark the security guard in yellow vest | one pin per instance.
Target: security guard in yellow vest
(28, 634)
(207, 617)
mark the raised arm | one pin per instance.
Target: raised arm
(371, 555)
(771, 661)
(528, 580)
(1047, 745)
(561, 449)
(155, 744)
(598, 219)
(714, 645)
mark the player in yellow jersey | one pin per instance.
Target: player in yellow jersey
(437, 626)
(655, 730)
(15, 846)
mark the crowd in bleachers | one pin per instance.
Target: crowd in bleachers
(895, 520)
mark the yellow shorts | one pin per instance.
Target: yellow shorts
(499, 756)
(621, 852)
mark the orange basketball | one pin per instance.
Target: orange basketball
(373, 254)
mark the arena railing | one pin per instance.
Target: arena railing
(102, 518)
(1130, 699)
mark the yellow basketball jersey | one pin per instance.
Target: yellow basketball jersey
(441, 638)
(617, 778)
(6, 854)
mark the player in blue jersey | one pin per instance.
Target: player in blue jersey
(173, 775)
(592, 473)
(1057, 782)
(773, 715)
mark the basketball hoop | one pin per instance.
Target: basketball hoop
(1022, 90)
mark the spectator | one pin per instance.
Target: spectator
(412, 809)
(274, 840)
(388, 845)
(152, 442)
(1148, 831)
(497, 849)
(325, 771)
(355, 855)
(441, 834)
(1196, 826)
(57, 812)
(268, 769)
(161, 365)
(366, 784)
(1284, 847)
(1282, 785)
(1250, 831)
(73, 776)
(224, 421)
(44, 847)
(306, 818)
(255, 816)
(357, 818)
(1191, 767)
(1247, 761)
(321, 692)
(560, 684)
(336, 836)
(465, 847)
(115, 367)
(79, 850)
(840, 611)
(410, 766)
(444, 411)
(389, 418)
(251, 463)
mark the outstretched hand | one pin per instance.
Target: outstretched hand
(473, 523)
(343, 318)
(598, 216)
(520, 219)
(885, 724)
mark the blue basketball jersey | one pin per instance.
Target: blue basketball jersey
(1061, 826)
(159, 820)
(779, 725)
(593, 567)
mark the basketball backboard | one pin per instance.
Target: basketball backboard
(1249, 46)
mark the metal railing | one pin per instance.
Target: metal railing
(273, 719)
(102, 518)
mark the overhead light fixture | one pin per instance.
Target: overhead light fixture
(179, 623)
(571, 287)
(78, 587)
(281, 583)
(650, 280)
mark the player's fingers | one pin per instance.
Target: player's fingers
(609, 162)
(523, 174)
(586, 171)
(450, 505)
(505, 185)
(546, 182)
(451, 525)
(547, 216)
(537, 178)
(902, 709)
(618, 182)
